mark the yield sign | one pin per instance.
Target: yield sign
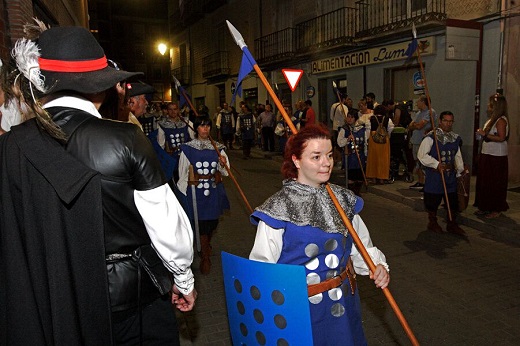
(292, 77)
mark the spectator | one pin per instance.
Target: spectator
(371, 100)
(491, 188)
(378, 159)
(310, 116)
(421, 125)
(267, 122)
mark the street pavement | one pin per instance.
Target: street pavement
(451, 290)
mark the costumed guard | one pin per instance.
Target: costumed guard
(450, 164)
(148, 122)
(207, 197)
(172, 132)
(351, 137)
(300, 225)
(246, 130)
(226, 125)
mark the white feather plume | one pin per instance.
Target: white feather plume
(26, 54)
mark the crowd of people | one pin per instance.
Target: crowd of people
(99, 217)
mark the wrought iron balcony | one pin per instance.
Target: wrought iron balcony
(182, 73)
(385, 17)
(331, 30)
(276, 47)
(215, 65)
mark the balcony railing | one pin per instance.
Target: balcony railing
(377, 16)
(182, 73)
(276, 46)
(332, 29)
(215, 65)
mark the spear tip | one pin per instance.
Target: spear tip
(334, 84)
(177, 83)
(236, 35)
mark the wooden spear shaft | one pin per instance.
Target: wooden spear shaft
(443, 179)
(214, 144)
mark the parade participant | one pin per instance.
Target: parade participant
(492, 176)
(246, 130)
(200, 178)
(136, 93)
(174, 131)
(450, 165)
(352, 138)
(83, 203)
(338, 114)
(226, 125)
(300, 225)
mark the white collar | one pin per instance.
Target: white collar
(77, 102)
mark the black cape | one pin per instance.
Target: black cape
(53, 284)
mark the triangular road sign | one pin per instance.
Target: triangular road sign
(292, 77)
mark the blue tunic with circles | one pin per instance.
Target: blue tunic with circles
(335, 314)
(211, 197)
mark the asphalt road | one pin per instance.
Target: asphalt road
(452, 291)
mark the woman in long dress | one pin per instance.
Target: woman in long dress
(378, 160)
(491, 185)
(299, 225)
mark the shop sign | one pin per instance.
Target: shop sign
(391, 52)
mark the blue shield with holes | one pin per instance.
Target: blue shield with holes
(267, 303)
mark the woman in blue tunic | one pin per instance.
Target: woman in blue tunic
(206, 180)
(300, 225)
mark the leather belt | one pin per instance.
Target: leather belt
(196, 177)
(449, 167)
(117, 256)
(335, 281)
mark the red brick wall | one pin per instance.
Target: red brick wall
(4, 41)
(19, 12)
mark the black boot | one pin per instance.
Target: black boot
(432, 222)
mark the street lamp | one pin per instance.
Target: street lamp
(162, 48)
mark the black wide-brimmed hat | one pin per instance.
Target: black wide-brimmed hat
(72, 59)
(138, 88)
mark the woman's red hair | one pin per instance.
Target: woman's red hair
(297, 144)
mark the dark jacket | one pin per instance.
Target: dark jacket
(53, 283)
(127, 162)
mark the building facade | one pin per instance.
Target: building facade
(468, 50)
(16, 13)
(130, 32)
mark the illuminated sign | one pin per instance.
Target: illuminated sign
(371, 56)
